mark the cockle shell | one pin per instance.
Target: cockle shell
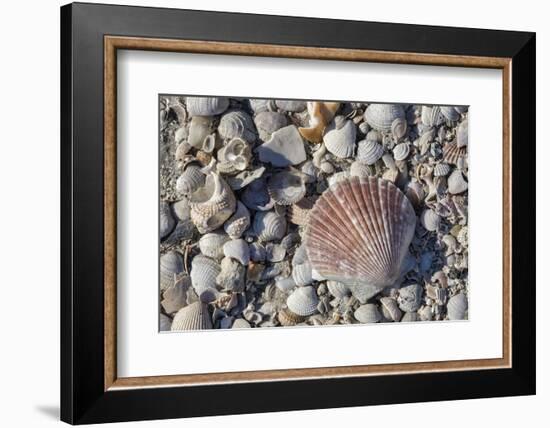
(192, 317)
(298, 213)
(450, 113)
(457, 307)
(359, 232)
(399, 128)
(234, 156)
(368, 313)
(442, 169)
(410, 297)
(401, 151)
(288, 318)
(206, 106)
(204, 271)
(381, 116)
(303, 301)
(456, 182)
(171, 264)
(337, 289)
(190, 180)
(238, 222)
(270, 121)
(269, 226)
(369, 151)
(432, 116)
(340, 141)
(359, 169)
(301, 267)
(237, 124)
(237, 249)
(390, 310)
(211, 244)
(430, 220)
(167, 221)
(462, 134)
(199, 128)
(452, 153)
(286, 187)
(212, 204)
(320, 115)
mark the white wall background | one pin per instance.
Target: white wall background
(29, 212)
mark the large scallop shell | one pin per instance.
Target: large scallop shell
(340, 141)
(237, 124)
(204, 271)
(269, 226)
(369, 151)
(171, 264)
(381, 116)
(212, 204)
(359, 232)
(238, 222)
(192, 317)
(286, 187)
(303, 301)
(206, 106)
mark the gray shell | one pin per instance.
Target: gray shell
(432, 116)
(410, 317)
(410, 297)
(303, 301)
(167, 222)
(269, 226)
(430, 220)
(206, 106)
(241, 323)
(368, 313)
(442, 169)
(238, 222)
(182, 210)
(401, 151)
(286, 187)
(231, 276)
(369, 151)
(284, 148)
(199, 128)
(171, 264)
(190, 180)
(457, 307)
(192, 317)
(381, 116)
(399, 128)
(204, 271)
(456, 183)
(260, 105)
(301, 267)
(291, 105)
(359, 169)
(244, 178)
(237, 249)
(257, 252)
(462, 134)
(340, 141)
(256, 197)
(165, 323)
(237, 124)
(338, 289)
(390, 310)
(270, 121)
(450, 113)
(178, 295)
(211, 244)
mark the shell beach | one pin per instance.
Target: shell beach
(277, 213)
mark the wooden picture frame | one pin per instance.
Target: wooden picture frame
(90, 389)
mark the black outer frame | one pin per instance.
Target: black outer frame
(83, 399)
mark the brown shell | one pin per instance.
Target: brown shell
(299, 213)
(359, 232)
(452, 153)
(288, 318)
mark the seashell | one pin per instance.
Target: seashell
(181, 153)
(442, 169)
(199, 128)
(303, 301)
(309, 171)
(367, 314)
(212, 204)
(401, 151)
(208, 146)
(234, 156)
(336, 177)
(390, 310)
(287, 318)
(374, 135)
(243, 179)
(167, 222)
(237, 124)
(165, 323)
(204, 271)
(326, 167)
(270, 121)
(190, 180)
(410, 297)
(285, 284)
(269, 226)
(181, 134)
(260, 105)
(340, 141)
(410, 317)
(299, 212)
(211, 244)
(456, 182)
(238, 222)
(256, 196)
(450, 113)
(457, 307)
(337, 289)
(192, 317)
(286, 187)
(301, 267)
(274, 253)
(359, 232)
(369, 151)
(430, 220)
(178, 111)
(381, 116)
(320, 115)
(284, 148)
(206, 106)
(462, 134)
(425, 313)
(241, 323)
(257, 252)
(451, 244)
(171, 265)
(359, 169)
(177, 295)
(295, 106)
(237, 249)
(364, 128)
(453, 154)
(231, 276)
(399, 128)
(432, 116)
(415, 192)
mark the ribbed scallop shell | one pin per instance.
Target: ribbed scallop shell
(369, 151)
(442, 169)
(359, 232)
(457, 307)
(192, 317)
(340, 141)
(212, 204)
(303, 301)
(462, 134)
(452, 153)
(367, 314)
(298, 213)
(381, 116)
(399, 128)
(401, 151)
(206, 106)
(286, 187)
(456, 183)
(171, 264)
(450, 113)
(269, 226)
(238, 222)
(237, 124)
(190, 180)
(432, 116)
(204, 271)
(211, 244)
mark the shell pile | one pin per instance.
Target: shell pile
(286, 212)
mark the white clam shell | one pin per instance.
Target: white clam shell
(340, 141)
(167, 222)
(430, 220)
(381, 116)
(369, 151)
(237, 124)
(238, 222)
(457, 307)
(303, 301)
(192, 317)
(211, 244)
(286, 187)
(401, 151)
(171, 265)
(206, 106)
(367, 314)
(238, 250)
(359, 232)
(204, 271)
(190, 180)
(399, 128)
(269, 226)
(199, 128)
(456, 182)
(462, 134)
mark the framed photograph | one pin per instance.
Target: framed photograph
(291, 213)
